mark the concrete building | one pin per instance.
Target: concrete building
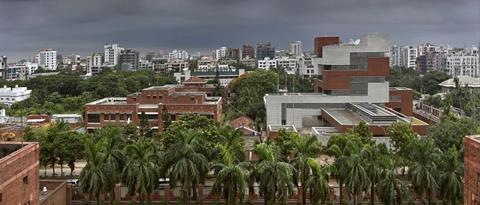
(3, 66)
(290, 64)
(176, 65)
(403, 56)
(464, 62)
(265, 50)
(111, 54)
(225, 75)
(233, 53)
(20, 71)
(352, 83)
(47, 59)
(206, 63)
(144, 64)
(471, 193)
(9, 96)
(307, 67)
(464, 81)
(295, 48)
(129, 59)
(95, 63)
(267, 63)
(19, 168)
(248, 51)
(221, 53)
(178, 54)
(248, 61)
(157, 102)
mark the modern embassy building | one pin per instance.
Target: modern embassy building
(352, 88)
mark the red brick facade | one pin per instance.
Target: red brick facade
(401, 100)
(471, 185)
(335, 80)
(324, 41)
(19, 174)
(175, 100)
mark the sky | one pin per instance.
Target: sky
(83, 26)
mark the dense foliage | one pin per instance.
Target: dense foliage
(67, 92)
(407, 77)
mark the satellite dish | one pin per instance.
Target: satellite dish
(357, 42)
(128, 120)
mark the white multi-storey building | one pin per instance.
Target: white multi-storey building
(464, 63)
(290, 64)
(9, 96)
(404, 56)
(295, 48)
(20, 71)
(112, 54)
(221, 52)
(267, 63)
(95, 63)
(307, 67)
(47, 58)
(178, 54)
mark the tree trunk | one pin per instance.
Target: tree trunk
(53, 169)
(340, 182)
(354, 199)
(372, 193)
(194, 192)
(149, 198)
(112, 196)
(97, 197)
(45, 171)
(61, 170)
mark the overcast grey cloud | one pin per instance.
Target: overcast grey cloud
(83, 26)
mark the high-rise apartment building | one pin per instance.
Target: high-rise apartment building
(464, 62)
(3, 66)
(295, 48)
(111, 54)
(47, 59)
(221, 52)
(248, 51)
(129, 59)
(178, 55)
(403, 56)
(265, 50)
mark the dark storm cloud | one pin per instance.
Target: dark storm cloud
(82, 26)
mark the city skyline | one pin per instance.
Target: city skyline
(82, 27)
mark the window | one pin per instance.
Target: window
(93, 117)
(25, 180)
(284, 122)
(122, 116)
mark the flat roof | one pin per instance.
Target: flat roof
(109, 101)
(279, 127)
(343, 116)
(162, 87)
(399, 88)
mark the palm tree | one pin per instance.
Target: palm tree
(390, 189)
(304, 149)
(233, 140)
(423, 172)
(347, 145)
(186, 163)
(357, 178)
(451, 177)
(371, 156)
(275, 175)
(317, 183)
(230, 173)
(140, 173)
(112, 142)
(94, 175)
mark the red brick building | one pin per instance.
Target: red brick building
(159, 103)
(19, 173)
(471, 185)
